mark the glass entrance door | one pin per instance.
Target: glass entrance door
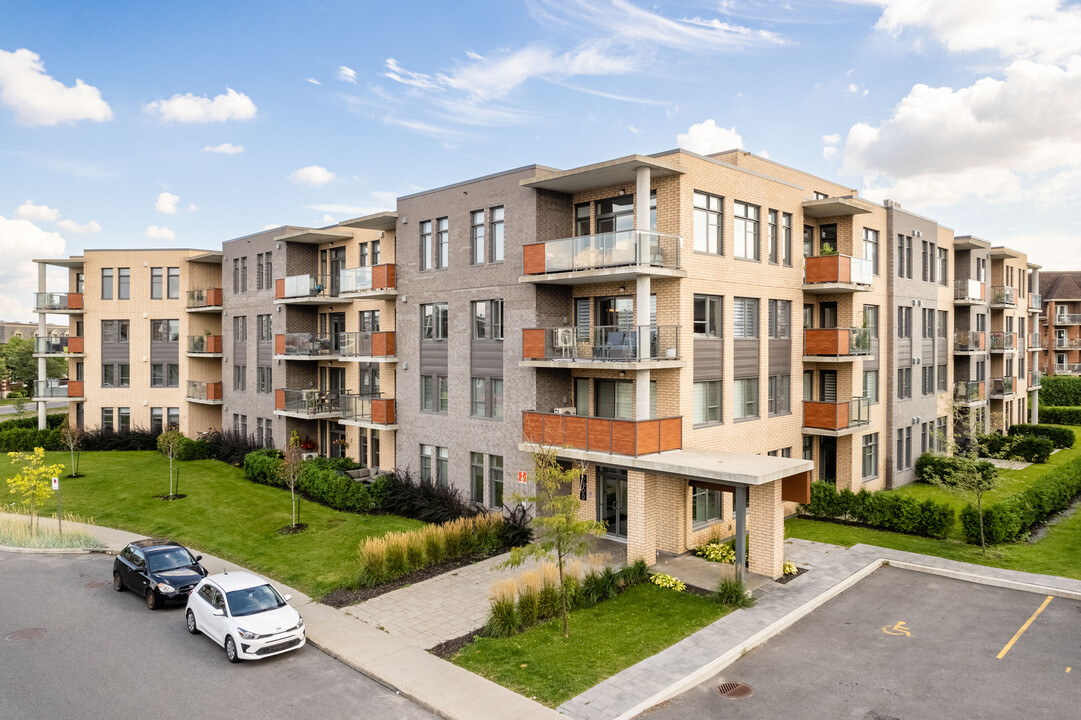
(612, 498)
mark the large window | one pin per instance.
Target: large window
(433, 393)
(708, 214)
(263, 331)
(106, 283)
(240, 328)
(495, 478)
(476, 477)
(707, 402)
(614, 399)
(264, 379)
(745, 233)
(165, 331)
(904, 383)
(240, 377)
(157, 278)
(106, 418)
(114, 331)
(779, 394)
(705, 506)
(707, 315)
(488, 320)
(870, 248)
(904, 322)
(426, 245)
(157, 420)
(870, 456)
(745, 317)
(780, 319)
(442, 242)
(497, 234)
(870, 386)
(745, 398)
(123, 419)
(123, 283)
(164, 375)
(476, 237)
(433, 321)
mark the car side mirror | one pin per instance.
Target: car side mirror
(287, 597)
(198, 558)
(218, 612)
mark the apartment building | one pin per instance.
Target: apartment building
(1009, 304)
(1060, 322)
(129, 317)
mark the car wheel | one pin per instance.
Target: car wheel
(118, 584)
(151, 600)
(191, 623)
(230, 649)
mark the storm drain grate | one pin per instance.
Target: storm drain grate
(25, 635)
(97, 584)
(734, 690)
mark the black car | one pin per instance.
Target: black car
(163, 572)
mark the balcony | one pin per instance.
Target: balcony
(368, 411)
(304, 346)
(1067, 318)
(1035, 341)
(969, 341)
(1034, 378)
(1068, 368)
(1002, 387)
(208, 300)
(835, 418)
(204, 346)
(835, 344)
(1035, 303)
(1062, 343)
(603, 435)
(308, 404)
(375, 281)
(368, 346)
(309, 290)
(1003, 341)
(617, 347)
(45, 390)
(1002, 296)
(607, 257)
(968, 292)
(825, 274)
(59, 303)
(58, 347)
(969, 394)
(204, 393)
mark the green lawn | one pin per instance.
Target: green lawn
(223, 514)
(541, 664)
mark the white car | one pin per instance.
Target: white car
(245, 614)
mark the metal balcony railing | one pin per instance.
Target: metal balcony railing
(968, 392)
(209, 298)
(50, 345)
(1034, 378)
(309, 286)
(49, 389)
(1062, 343)
(305, 345)
(1068, 368)
(605, 343)
(310, 402)
(363, 279)
(368, 408)
(1000, 387)
(366, 343)
(968, 291)
(605, 250)
(57, 301)
(1067, 318)
(1035, 302)
(1035, 340)
(198, 390)
(1002, 295)
(1003, 341)
(204, 344)
(969, 341)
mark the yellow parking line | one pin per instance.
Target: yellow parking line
(1024, 627)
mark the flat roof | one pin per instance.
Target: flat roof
(212, 257)
(970, 242)
(315, 237)
(837, 207)
(386, 220)
(71, 262)
(1005, 252)
(602, 174)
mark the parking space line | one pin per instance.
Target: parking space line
(1024, 627)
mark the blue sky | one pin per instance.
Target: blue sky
(130, 124)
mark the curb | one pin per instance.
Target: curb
(54, 551)
(985, 580)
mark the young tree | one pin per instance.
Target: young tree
(559, 532)
(169, 445)
(291, 467)
(18, 401)
(72, 437)
(33, 483)
(970, 476)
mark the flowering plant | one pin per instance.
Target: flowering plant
(668, 582)
(789, 568)
(716, 552)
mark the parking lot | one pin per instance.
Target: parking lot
(104, 655)
(904, 644)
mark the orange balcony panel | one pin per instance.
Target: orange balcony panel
(533, 259)
(824, 341)
(622, 437)
(279, 292)
(213, 343)
(75, 388)
(671, 433)
(279, 399)
(383, 344)
(279, 347)
(648, 437)
(599, 434)
(213, 391)
(574, 429)
(828, 269)
(533, 427)
(213, 297)
(825, 415)
(75, 344)
(533, 343)
(383, 411)
(75, 301)
(384, 277)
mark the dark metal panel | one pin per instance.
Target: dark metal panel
(745, 358)
(164, 352)
(433, 357)
(240, 353)
(486, 358)
(113, 353)
(264, 353)
(708, 358)
(780, 356)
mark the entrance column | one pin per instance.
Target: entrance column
(641, 517)
(767, 530)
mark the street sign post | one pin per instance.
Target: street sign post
(59, 505)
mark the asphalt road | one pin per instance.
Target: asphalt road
(851, 659)
(33, 407)
(104, 655)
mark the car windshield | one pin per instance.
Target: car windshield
(169, 559)
(254, 600)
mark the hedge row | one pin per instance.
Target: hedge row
(1059, 415)
(1062, 437)
(26, 439)
(52, 421)
(1028, 448)
(932, 466)
(320, 480)
(882, 510)
(1012, 518)
(1060, 390)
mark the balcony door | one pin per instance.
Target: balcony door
(612, 500)
(827, 314)
(827, 386)
(614, 399)
(827, 458)
(827, 235)
(336, 328)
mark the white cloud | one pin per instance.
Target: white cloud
(166, 203)
(313, 81)
(160, 233)
(190, 108)
(20, 242)
(418, 80)
(347, 75)
(764, 154)
(328, 219)
(192, 207)
(224, 149)
(706, 137)
(857, 89)
(831, 139)
(73, 227)
(39, 99)
(634, 130)
(37, 213)
(312, 175)
(829, 152)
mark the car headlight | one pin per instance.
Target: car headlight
(299, 624)
(166, 588)
(246, 634)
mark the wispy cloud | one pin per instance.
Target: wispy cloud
(313, 81)
(347, 75)
(224, 149)
(73, 227)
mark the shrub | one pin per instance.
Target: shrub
(1032, 448)
(1060, 415)
(883, 509)
(22, 439)
(528, 598)
(1062, 437)
(789, 568)
(231, 446)
(717, 552)
(634, 574)
(194, 450)
(503, 619)
(1060, 390)
(327, 487)
(548, 602)
(52, 421)
(516, 527)
(102, 439)
(261, 466)
(668, 582)
(399, 493)
(733, 593)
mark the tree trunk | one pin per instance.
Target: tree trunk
(73, 462)
(979, 510)
(293, 496)
(170, 476)
(562, 592)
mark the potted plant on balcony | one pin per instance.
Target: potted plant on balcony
(827, 250)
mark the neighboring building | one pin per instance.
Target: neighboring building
(8, 330)
(1060, 322)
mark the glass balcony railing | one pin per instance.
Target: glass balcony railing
(310, 402)
(1062, 318)
(209, 298)
(836, 342)
(51, 345)
(606, 250)
(199, 344)
(43, 302)
(842, 269)
(1035, 302)
(364, 279)
(367, 408)
(308, 286)
(968, 291)
(1002, 341)
(1035, 340)
(969, 341)
(1000, 387)
(605, 343)
(842, 415)
(1062, 343)
(206, 391)
(1034, 378)
(1068, 368)
(49, 389)
(968, 392)
(305, 345)
(1002, 295)
(366, 343)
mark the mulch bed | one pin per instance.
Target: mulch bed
(785, 579)
(174, 496)
(351, 596)
(449, 648)
(293, 529)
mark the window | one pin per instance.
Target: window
(259, 286)
(780, 319)
(495, 478)
(123, 283)
(426, 245)
(476, 236)
(123, 418)
(426, 452)
(774, 251)
(497, 234)
(943, 323)
(808, 447)
(745, 398)
(236, 275)
(80, 282)
(240, 424)
(488, 320)
(240, 377)
(106, 418)
(870, 456)
(108, 376)
(779, 391)
(157, 421)
(442, 242)
(433, 393)
(614, 399)
(745, 235)
(707, 315)
(114, 331)
(707, 402)
(708, 214)
(268, 280)
(808, 241)
(870, 248)
(928, 323)
(240, 328)
(904, 383)
(786, 239)
(927, 379)
(940, 434)
(375, 252)
(442, 465)
(943, 267)
(165, 331)
(244, 274)
(263, 328)
(173, 417)
(981, 269)
(940, 383)
(820, 195)
(106, 283)
(745, 316)
(263, 379)
(476, 477)
(926, 260)
(363, 261)
(156, 280)
(705, 506)
(497, 397)
(870, 386)
(480, 401)
(164, 375)
(904, 322)
(904, 257)
(433, 321)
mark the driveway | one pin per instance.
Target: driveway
(104, 655)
